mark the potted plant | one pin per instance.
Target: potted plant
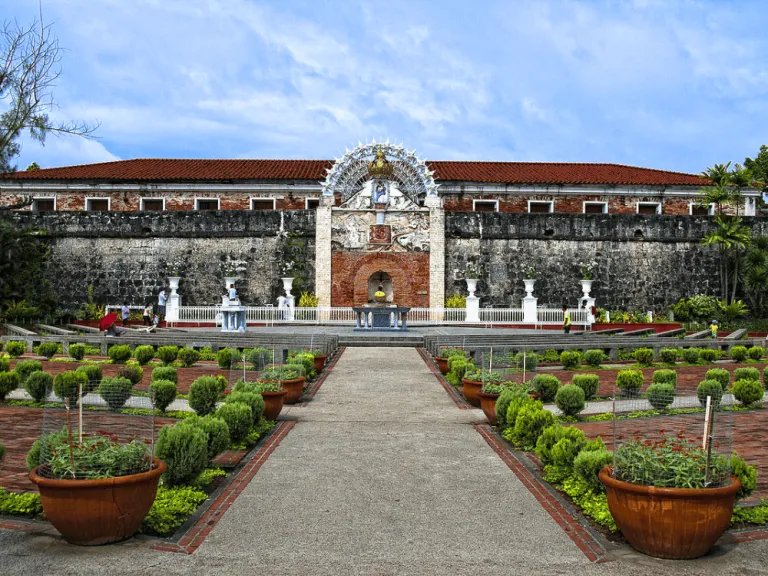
(95, 490)
(270, 389)
(473, 383)
(320, 359)
(444, 354)
(529, 279)
(488, 396)
(291, 381)
(587, 275)
(669, 497)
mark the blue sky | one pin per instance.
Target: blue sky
(676, 85)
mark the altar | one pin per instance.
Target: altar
(393, 318)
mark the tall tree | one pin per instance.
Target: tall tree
(29, 69)
(759, 166)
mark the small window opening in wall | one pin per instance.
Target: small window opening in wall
(639, 234)
(698, 210)
(648, 208)
(43, 205)
(595, 207)
(262, 203)
(540, 207)
(96, 204)
(485, 205)
(152, 205)
(549, 232)
(312, 203)
(207, 204)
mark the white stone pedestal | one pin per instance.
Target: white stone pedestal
(473, 309)
(233, 319)
(529, 310)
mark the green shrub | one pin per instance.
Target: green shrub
(587, 382)
(224, 358)
(131, 372)
(588, 464)
(570, 359)
(502, 404)
(513, 409)
(458, 367)
(48, 349)
(165, 373)
(184, 449)
(5, 364)
(67, 385)
(746, 374)
(119, 353)
(661, 395)
(708, 354)
(203, 395)
(9, 381)
(167, 354)
(756, 352)
(713, 388)
(691, 355)
(665, 377)
(217, 431)
(746, 474)
(721, 375)
(76, 351)
(551, 435)
(222, 383)
(115, 391)
(307, 361)
(739, 353)
(747, 391)
(546, 385)
(570, 399)
(171, 508)
(668, 355)
(629, 381)
(644, 356)
(595, 357)
(25, 367)
(38, 385)
(550, 356)
(143, 354)
(259, 357)
(2, 451)
(626, 354)
(188, 356)
(254, 401)
(164, 392)
(206, 354)
(16, 348)
(93, 376)
(239, 419)
(531, 361)
(531, 421)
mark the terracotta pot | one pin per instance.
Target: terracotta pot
(471, 390)
(92, 512)
(293, 390)
(273, 403)
(488, 404)
(676, 523)
(442, 364)
(320, 362)
(534, 395)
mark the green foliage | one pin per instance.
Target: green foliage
(708, 355)
(502, 404)
(259, 357)
(305, 360)
(5, 363)
(661, 395)
(254, 401)
(115, 391)
(587, 466)
(239, 419)
(546, 385)
(665, 377)
(25, 367)
(713, 388)
(261, 387)
(629, 381)
(644, 356)
(48, 349)
(626, 354)
(691, 355)
(279, 373)
(593, 504)
(747, 391)
(531, 421)
(669, 355)
(131, 372)
(184, 449)
(308, 300)
(67, 385)
(216, 431)
(756, 352)
(595, 357)
(164, 392)
(2, 451)
(38, 385)
(587, 382)
(203, 395)
(746, 474)
(143, 354)
(448, 351)
(93, 375)
(95, 457)
(746, 374)
(167, 355)
(119, 353)
(456, 300)
(531, 361)
(206, 354)
(550, 356)
(16, 348)
(551, 435)
(188, 356)
(207, 476)
(165, 373)
(457, 367)
(721, 375)
(751, 514)
(9, 381)
(739, 353)
(700, 307)
(13, 504)
(224, 358)
(171, 508)
(570, 399)
(570, 359)
(76, 351)
(222, 383)
(513, 409)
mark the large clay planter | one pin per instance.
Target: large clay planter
(488, 404)
(92, 512)
(273, 403)
(442, 364)
(471, 391)
(293, 390)
(320, 362)
(676, 523)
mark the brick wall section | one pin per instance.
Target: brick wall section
(350, 272)
(568, 204)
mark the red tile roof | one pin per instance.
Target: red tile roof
(187, 170)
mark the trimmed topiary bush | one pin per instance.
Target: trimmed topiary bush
(713, 388)
(5, 364)
(76, 351)
(184, 449)
(587, 382)
(629, 381)
(239, 419)
(756, 352)
(502, 404)
(665, 377)
(38, 385)
(708, 354)
(222, 383)
(216, 430)
(661, 395)
(188, 356)
(119, 353)
(595, 357)
(644, 356)
(164, 392)
(165, 373)
(254, 401)
(93, 375)
(546, 385)
(203, 395)
(115, 391)
(131, 372)
(167, 354)
(531, 361)
(691, 355)
(67, 385)
(48, 349)
(668, 355)
(570, 359)
(746, 374)
(738, 353)
(588, 464)
(747, 391)
(570, 399)
(143, 354)
(531, 421)
(224, 358)
(9, 381)
(16, 348)
(552, 435)
(259, 357)
(25, 367)
(721, 375)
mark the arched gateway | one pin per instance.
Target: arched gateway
(388, 221)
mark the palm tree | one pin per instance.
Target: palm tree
(731, 237)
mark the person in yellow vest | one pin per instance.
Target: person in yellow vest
(566, 320)
(713, 328)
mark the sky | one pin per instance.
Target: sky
(674, 85)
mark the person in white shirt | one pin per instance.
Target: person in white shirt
(162, 298)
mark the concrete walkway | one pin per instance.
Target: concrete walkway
(382, 474)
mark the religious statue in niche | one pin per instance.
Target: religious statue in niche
(380, 192)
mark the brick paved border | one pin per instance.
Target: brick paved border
(455, 395)
(326, 371)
